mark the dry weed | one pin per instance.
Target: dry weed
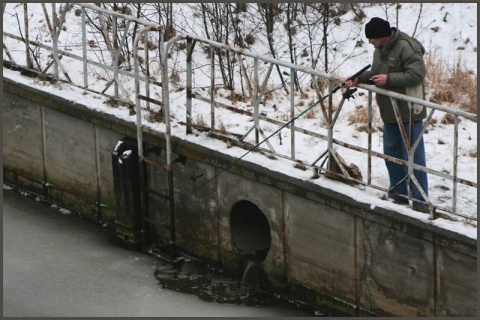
(222, 128)
(250, 39)
(472, 152)
(359, 117)
(312, 113)
(448, 118)
(237, 97)
(269, 94)
(175, 77)
(320, 86)
(156, 116)
(300, 103)
(457, 86)
(200, 121)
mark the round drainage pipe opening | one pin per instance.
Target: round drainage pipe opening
(250, 231)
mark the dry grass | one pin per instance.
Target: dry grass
(269, 94)
(457, 87)
(175, 77)
(469, 152)
(200, 121)
(359, 117)
(156, 116)
(312, 113)
(250, 39)
(221, 128)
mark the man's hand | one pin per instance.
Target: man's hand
(351, 83)
(380, 79)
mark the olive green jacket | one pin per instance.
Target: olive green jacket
(402, 62)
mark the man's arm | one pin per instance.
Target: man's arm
(413, 72)
(363, 78)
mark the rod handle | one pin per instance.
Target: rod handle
(360, 72)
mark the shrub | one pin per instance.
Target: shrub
(359, 117)
(456, 86)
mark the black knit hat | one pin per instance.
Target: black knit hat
(377, 28)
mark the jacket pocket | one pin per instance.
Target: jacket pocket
(392, 64)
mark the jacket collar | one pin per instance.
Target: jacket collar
(393, 38)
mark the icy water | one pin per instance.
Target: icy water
(58, 265)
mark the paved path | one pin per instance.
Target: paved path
(59, 265)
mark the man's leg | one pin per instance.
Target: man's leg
(394, 146)
(420, 159)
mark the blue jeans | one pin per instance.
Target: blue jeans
(393, 146)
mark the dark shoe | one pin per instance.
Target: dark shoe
(421, 208)
(397, 200)
(400, 201)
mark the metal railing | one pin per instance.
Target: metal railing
(251, 67)
(294, 70)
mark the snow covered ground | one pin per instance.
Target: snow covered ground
(443, 27)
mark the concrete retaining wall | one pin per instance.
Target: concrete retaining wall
(326, 249)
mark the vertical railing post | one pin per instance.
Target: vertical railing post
(455, 163)
(27, 36)
(168, 140)
(147, 69)
(55, 39)
(255, 99)
(292, 112)
(188, 115)
(116, 54)
(411, 152)
(138, 108)
(162, 45)
(330, 128)
(166, 103)
(212, 88)
(369, 146)
(84, 49)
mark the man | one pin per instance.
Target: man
(398, 66)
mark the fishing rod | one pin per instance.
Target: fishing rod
(286, 124)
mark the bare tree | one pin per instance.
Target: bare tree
(291, 27)
(217, 19)
(418, 19)
(268, 12)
